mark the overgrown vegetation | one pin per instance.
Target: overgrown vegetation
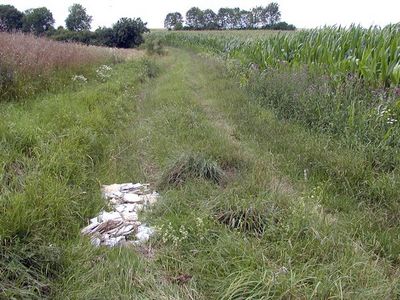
(54, 148)
(305, 218)
(278, 176)
(301, 216)
(154, 45)
(347, 87)
(29, 65)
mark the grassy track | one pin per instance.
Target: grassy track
(331, 244)
(267, 230)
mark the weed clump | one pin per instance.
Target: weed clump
(190, 166)
(28, 267)
(148, 69)
(154, 45)
(12, 176)
(250, 219)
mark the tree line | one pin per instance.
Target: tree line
(125, 33)
(268, 17)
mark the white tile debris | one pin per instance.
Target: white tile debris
(121, 225)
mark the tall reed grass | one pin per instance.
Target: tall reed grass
(30, 64)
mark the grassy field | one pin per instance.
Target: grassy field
(29, 65)
(261, 197)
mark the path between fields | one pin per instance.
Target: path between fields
(212, 91)
(201, 86)
(192, 106)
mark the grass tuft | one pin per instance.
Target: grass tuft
(190, 166)
(148, 69)
(28, 268)
(154, 45)
(247, 212)
(12, 177)
(246, 219)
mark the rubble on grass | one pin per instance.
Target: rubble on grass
(121, 225)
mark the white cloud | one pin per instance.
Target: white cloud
(303, 14)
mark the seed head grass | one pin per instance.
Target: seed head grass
(30, 64)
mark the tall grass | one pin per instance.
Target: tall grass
(340, 81)
(29, 64)
(54, 151)
(264, 236)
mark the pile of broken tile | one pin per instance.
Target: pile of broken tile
(121, 225)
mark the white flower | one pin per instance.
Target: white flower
(391, 121)
(387, 114)
(103, 72)
(199, 222)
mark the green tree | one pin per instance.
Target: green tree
(272, 15)
(78, 19)
(128, 33)
(105, 37)
(266, 16)
(37, 20)
(173, 21)
(258, 15)
(10, 18)
(246, 19)
(210, 19)
(194, 18)
(226, 18)
(236, 18)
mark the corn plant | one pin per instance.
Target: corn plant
(372, 54)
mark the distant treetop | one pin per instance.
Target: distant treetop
(10, 18)
(229, 18)
(38, 20)
(78, 19)
(173, 21)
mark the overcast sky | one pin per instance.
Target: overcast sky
(302, 13)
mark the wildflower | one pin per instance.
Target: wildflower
(199, 222)
(103, 72)
(184, 233)
(387, 114)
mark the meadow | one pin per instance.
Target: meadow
(278, 173)
(29, 64)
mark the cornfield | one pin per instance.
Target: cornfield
(372, 54)
(344, 82)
